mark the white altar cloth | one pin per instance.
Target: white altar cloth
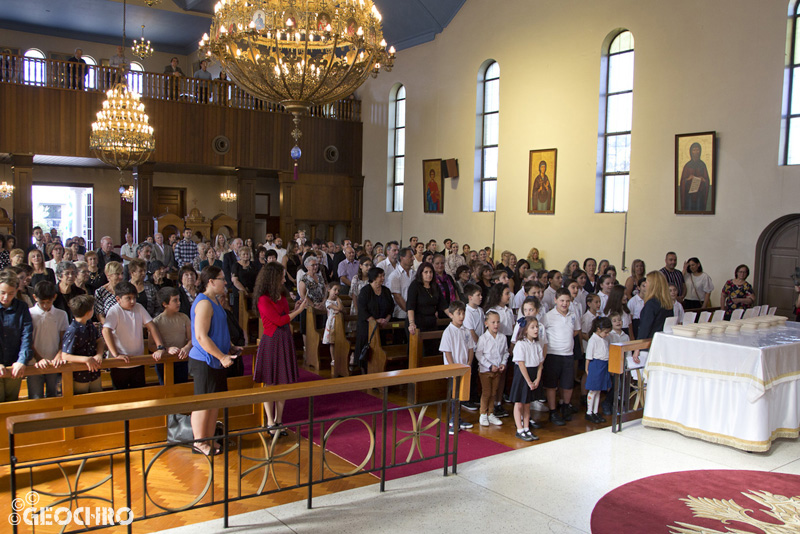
(742, 390)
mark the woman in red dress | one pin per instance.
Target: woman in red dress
(276, 361)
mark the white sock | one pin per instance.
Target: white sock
(596, 403)
(590, 401)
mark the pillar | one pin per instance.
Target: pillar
(246, 202)
(22, 169)
(357, 188)
(143, 224)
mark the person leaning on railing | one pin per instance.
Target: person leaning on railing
(210, 352)
(17, 346)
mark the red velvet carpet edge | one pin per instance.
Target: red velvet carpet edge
(350, 440)
(654, 504)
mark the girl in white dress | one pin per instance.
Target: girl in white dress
(334, 307)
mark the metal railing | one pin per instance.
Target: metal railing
(296, 452)
(99, 78)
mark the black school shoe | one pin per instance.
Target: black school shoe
(556, 418)
(469, 405)
(566, 413)
(534, 425)
(499, 411)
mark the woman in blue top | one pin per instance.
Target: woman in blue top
(209, 356)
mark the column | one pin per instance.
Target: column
(246, 202)
(357, 190)
(22, 169)
(143, 224)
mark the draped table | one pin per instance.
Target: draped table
(737, 390)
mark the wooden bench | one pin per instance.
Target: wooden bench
(343, 345)
(618, 367)
(417, 359)
(382, 356)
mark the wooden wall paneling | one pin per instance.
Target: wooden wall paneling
(22, 169)
(246, 201)
(169, 200)
(287, 184)
(144, 210)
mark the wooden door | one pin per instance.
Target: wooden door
(782, 256)
(169, 200)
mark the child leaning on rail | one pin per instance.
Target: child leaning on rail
(83, 343)
(49, 324)
(15, 350)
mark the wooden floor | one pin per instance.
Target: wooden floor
(179, 476)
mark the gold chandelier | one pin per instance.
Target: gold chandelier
(122, 136)
(228, 196)
(298, 53)
(142, 49)
(6, 190)
(127, 194)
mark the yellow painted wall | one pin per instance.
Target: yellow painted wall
(699, 66)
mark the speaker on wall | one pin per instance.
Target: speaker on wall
(221, 145)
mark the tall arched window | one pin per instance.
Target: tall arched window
(91, 75)
(397, 148)
(135, 77)
(791, 129)
(488, 128)
(616, 114)
(34, 67)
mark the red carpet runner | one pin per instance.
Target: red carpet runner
(351, 440)
(708, 502)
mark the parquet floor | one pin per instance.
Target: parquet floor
(179, 476)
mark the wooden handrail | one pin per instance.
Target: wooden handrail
(108, 363)
(21, 424)
(616, 353)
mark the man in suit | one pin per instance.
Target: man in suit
(39, 243)
(339, 256)
(163, 252)
(229, 260)
(106, 253)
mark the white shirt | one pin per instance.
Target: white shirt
(473, 320)
(529, 352)
(677, 311)
(561, 333)
(398, 283)
(597, 348)
(458, 342)
(697, 287)
(127, 250)
(47, 329)
(542, 334)
(635, 305)
(126, 327)
(614, 337)
(549, 297)
(575, 309)
(491, 350)
(281, 253)
(603, 301)
(51, 264)
(586, 326)
(506, 319)
(387, 267)
(519, 298)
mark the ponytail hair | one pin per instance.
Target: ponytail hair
(601, 323)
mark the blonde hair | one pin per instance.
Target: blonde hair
(657, 288)
(113, 267)
(17, 252)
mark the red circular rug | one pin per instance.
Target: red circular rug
(708, 502)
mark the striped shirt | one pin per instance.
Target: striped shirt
(675, 278)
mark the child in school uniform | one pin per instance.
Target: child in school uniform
(17, 337)
(617, 334)
(49, 324)
(677, 307)
(123, 334)
(497, 301)
(176, 331)
(528, 355)
(474, 323)
(580, 276)
(457, 346)
(554, 279)
(83, 343)
(604, 284)
(334, 307)
(530, 310)
(491, 353)
(635, 305)
(527, 284)
(592, 312)
(559, 367)
(599, 378)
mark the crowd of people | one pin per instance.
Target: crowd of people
(526, 331)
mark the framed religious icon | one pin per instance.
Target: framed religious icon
(695, 173)
(542, 181)
(433, 192)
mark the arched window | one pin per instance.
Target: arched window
(616, 113)
(397, 148)
(487, 130)
(34, 67)
(790, 142)
(135, 77)
(91, 75)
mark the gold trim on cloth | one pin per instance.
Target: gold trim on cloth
(713, 437)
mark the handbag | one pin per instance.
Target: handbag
(366, 350)
(179, 428)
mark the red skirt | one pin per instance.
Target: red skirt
(276, 360)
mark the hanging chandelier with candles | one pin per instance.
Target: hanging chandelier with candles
(142, 49)
(122, 136)
(228, 196)
(298, 53)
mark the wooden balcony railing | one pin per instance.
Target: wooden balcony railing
(97, 78)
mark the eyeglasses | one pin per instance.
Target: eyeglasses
(223, 278)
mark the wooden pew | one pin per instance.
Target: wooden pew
(343, 345)
(382, 356)
(417, 359)
(315, 350)
(617, 366)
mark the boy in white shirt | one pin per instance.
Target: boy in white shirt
(473, 322)
(49, 325)
(491, 354)
(529, 276)
(635, 305)
(677, 307)
(559, 366)
(457, 346)
(123, 335)
(554, 279)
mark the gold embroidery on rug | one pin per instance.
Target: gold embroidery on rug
(784, 509)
